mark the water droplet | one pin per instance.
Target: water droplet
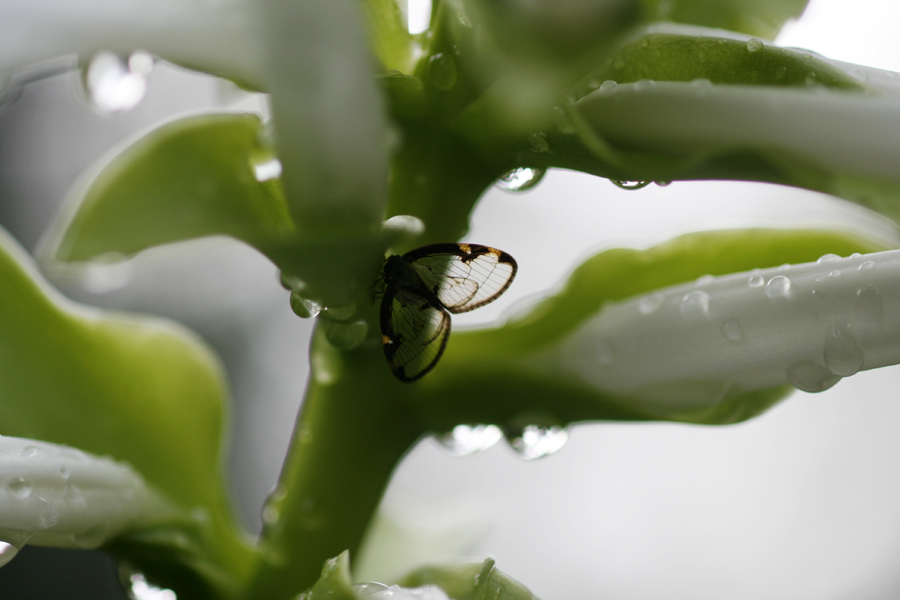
(867, 265)
(756, 281)
(731, 330)
(92, 538)
(521, 179)
(538, 143)
(869, 306)
(860, 74)
(608, 86)
(619, 63)
(662, 183)
(370, 589)
(442, 71)
(303, 308)
(114, 85)
(536, 441)
(31, 451)
(345, 336)
(630, 185)
(855, 255)
(754, 45)
(705, 279)
(695, 305)
(810, 377)
(290, 282)
(780, 73)
(463, 440)
(20, 488)
(806, 56)
(828, 258)
(651, 303)
(339, 313)
(141, 589)
(810, 79)
(48, 515)
(778, 287)
(843, 356)
(267, 170)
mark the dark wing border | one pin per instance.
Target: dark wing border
(393, 346)
(467, 253)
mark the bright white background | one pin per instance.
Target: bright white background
(801, 503)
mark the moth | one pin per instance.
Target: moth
(422, 288)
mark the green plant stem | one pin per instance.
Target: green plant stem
(350, 436)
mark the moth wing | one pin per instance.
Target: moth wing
(463, 276)
(414, 333)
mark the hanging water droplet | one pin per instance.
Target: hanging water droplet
(695, 305)
(756, 281)
(810, 377)
(20, 488)
(463, 440)
(608, 86)
(115, 86)
(754, 45)
(536, 441)
(345, 336)
(651, 303)
(141, 589)
(521, 179)
(865, 266)
(442, 71)
(731, 330)
(662, 183)
(303, 308)
(630, 185)
(825, 258)
(538, 143)
(869, 306)
(843, 356)
(778, 287)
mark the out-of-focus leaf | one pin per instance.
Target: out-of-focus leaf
(191, 178)
(476, 581)
(753, 17)
(390, 36)
(142, 390)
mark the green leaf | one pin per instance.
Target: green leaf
(476, 581)
(142, 390)
(190, 178)
(519, 384)
(390, 36)
(753, 17)
(335, 583)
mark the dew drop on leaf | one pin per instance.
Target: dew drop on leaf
(869, 306)
(114, 85)
(810, 377)
(731, 330)
(538, 143)
(521, 179)
(695, 305)
(442, 71)
(630, 185)
(608, 85)
(536, 441)
(756, 281)
(463, 440)
(842, 353)
(754, 45)
(778, 287)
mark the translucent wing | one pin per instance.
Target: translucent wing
(463, 276)
(414, 332)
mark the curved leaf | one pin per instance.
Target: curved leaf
(142, 390)
(753, 17)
